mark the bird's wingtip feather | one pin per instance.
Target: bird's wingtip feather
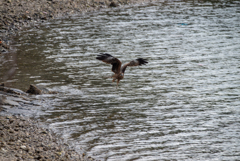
(142, 61)
(102, 56)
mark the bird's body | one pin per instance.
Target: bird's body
(117, 67)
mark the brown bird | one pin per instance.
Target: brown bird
(116, 65)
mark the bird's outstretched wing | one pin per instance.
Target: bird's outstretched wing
(109, 59)
(137, 62)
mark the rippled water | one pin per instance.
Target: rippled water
(183, 105)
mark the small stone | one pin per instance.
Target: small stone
(113, 4)
(3, 150)
(23, 147)
(58, 153)
(38, 157)
(9, 117)
(11, 131)
(43, 132)
(26, 17)
(101, 3)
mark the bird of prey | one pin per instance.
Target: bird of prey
(117, 67)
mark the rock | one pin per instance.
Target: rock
(102, 3)
(26, 17)
(3, 150)
(10, 102)
(12, 90)
(23, 147)
(113, 4)
(34, 89)
(2, 100)
(4, 45)
(44, 132)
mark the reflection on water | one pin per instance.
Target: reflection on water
(183, 105)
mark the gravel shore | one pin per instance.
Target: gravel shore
(22, 138)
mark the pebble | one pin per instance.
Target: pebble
(23, 147)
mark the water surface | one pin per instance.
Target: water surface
(183, 105)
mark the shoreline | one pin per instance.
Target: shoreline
(19, 14)
(22, 138)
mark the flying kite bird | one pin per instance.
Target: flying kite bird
(116, 65)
